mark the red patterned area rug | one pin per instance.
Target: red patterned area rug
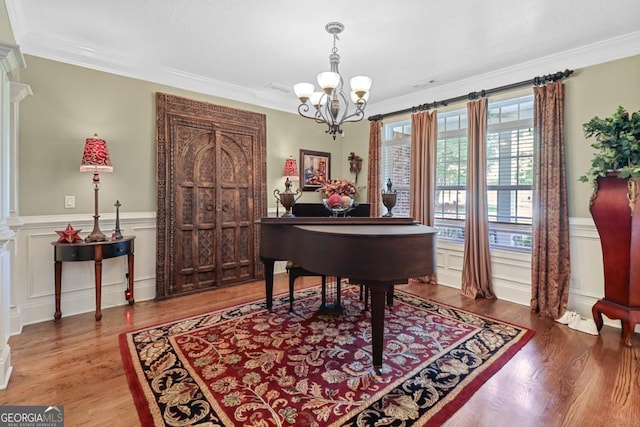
(245, 366)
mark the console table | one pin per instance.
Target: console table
(93, 251)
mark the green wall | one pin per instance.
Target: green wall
(6, 35)
(591, 91)
(594, 91)
(71, 103)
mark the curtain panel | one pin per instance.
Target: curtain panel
(550, 258)
(477, 280)
(424, 136)
(374, 186)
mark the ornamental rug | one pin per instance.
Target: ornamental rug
(246, 366)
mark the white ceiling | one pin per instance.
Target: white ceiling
(255, 50)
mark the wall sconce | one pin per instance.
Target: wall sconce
(95, 158)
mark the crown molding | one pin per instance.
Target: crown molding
(11, 58)
(83, 56)
(585, 56)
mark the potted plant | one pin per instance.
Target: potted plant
(617, 145)
(615, 172)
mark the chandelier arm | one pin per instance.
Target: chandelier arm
(303, 110)
(355, 117)
(344, 102)
(322, 115)
(325, 113)
(358, 114)
(320, 120)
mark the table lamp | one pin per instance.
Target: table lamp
(288, 198)
(95, 158)
(291, 169)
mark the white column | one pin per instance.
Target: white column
(10, 59)
(19, 91)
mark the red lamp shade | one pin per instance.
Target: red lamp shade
(291, 168)
(95, 157)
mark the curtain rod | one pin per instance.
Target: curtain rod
(536, 81)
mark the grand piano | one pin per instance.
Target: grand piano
(378, 252)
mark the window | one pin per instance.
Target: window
(509, 171)
(451, 166)
(396, 163)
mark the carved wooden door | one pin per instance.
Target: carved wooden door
(211, 171)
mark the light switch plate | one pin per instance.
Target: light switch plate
(69, 202)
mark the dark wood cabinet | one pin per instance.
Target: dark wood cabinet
(211, 190)
(616, 213)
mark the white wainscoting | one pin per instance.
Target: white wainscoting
(512, 270)
(33, 289)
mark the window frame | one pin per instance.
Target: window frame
(513, 235)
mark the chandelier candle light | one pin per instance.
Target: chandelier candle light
(95, 158)
(332, 106)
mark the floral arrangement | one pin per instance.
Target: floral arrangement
(341, 187)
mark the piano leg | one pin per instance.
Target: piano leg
(378, 293)
(268, 280)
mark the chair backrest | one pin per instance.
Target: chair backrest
(318, 210)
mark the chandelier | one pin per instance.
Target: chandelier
(331, 105)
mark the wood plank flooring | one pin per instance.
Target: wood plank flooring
(560, 378)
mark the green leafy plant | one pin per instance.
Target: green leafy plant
(617, 145)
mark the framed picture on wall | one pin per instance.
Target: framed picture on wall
(315, 169)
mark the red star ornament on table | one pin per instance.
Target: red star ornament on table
(69, 235)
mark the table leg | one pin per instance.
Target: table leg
(268, 280)
(98, 271)
(628, 316)
(58, 288)
(130, 285)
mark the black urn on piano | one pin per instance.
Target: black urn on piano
(287, 198)
(389, 198)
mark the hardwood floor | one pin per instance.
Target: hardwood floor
(560, 378)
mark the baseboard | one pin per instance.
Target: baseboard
(5, 367)
(15, 321)
(84, 302)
